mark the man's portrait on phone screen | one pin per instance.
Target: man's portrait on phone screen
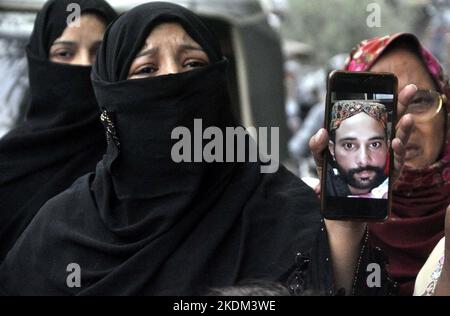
(359, 150)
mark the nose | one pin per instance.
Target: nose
(170, 67)
(82, 58)
(363, 157)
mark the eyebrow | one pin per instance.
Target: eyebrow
(191, 47)
(70, 43)
(94, 46)
(147, 52)
(152, 51)
(349, 139)
(377, 138)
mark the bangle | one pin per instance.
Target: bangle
(431, 288)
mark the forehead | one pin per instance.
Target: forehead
(360, 126)
(407, 66)
(168, 32)
(90, 26)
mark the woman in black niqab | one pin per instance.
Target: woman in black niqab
(145, 225)
(61, 138)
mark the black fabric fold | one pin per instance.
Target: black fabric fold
(313, 274)
(61, 138)
(145, 225)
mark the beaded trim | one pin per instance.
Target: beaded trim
(431, 288)
(111, 133)
(360, 258)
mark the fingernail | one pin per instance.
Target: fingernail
(414, 87)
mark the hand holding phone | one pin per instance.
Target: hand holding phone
(358, 165)
(345, 234)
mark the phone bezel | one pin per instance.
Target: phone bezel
(342, 208)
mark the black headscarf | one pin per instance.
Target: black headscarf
(144, 225)
(137, 25)
(52, 20)
(61, 138)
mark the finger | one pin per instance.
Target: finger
(317, 145)
(405, 96)
(404, 128)
(317, 190)
(399, 156)
(403, 132)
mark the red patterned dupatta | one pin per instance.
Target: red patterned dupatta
(420, 196)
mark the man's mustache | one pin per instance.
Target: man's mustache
(354, 171)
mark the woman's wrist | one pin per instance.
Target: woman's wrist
(345, 243)
(347, 231)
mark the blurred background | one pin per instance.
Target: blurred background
(280, 53)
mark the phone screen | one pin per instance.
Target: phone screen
(357, 171)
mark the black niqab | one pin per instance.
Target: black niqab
(61, 138)
(144, 225)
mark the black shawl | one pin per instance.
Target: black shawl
(61, 138)
(144, 225)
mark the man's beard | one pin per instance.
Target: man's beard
(348, 177)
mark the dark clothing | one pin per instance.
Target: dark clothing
(247, 227)
(61, 138)
(145, 225)
(313, 275)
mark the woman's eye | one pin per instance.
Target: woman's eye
(63, 54)
(195, 64)
(418, 107)
(146, 70)
(416, 100)
(421, 104)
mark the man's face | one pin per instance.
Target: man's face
(360, 151)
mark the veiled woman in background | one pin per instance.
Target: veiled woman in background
(61, 138)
